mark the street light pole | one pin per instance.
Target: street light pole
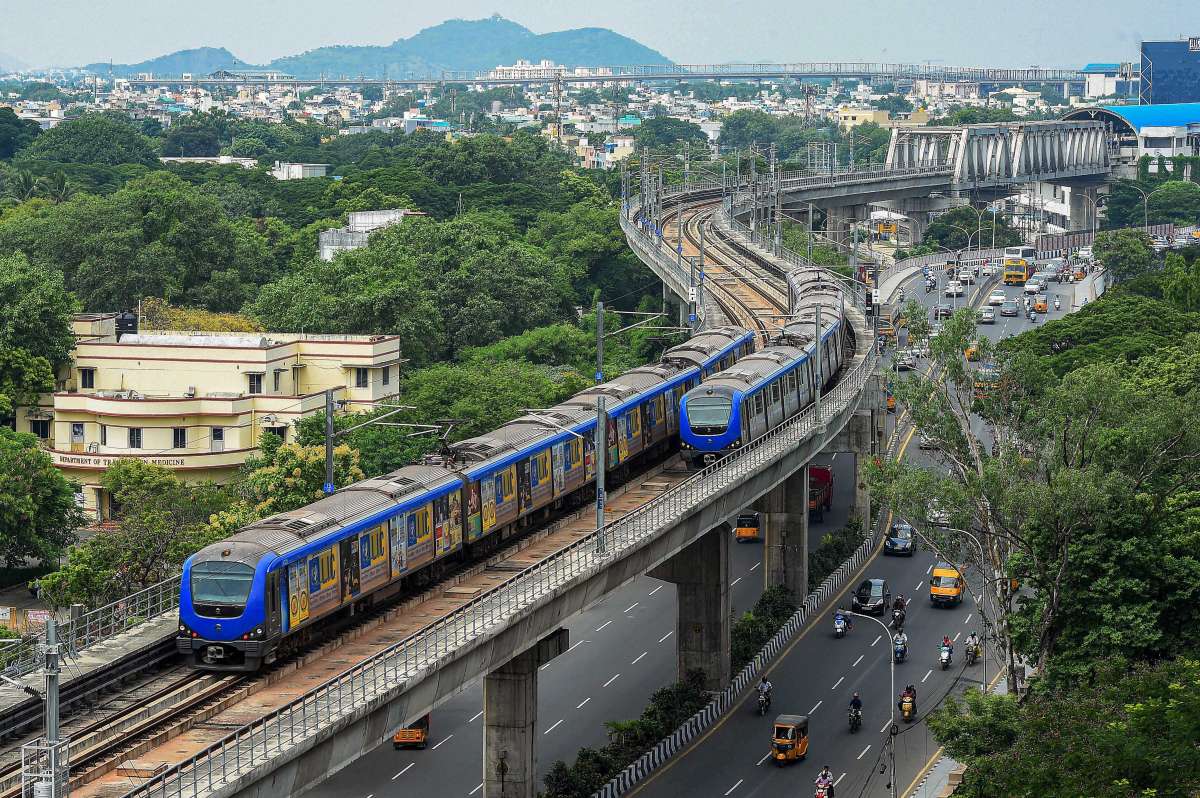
(887, 633)
(601, 431)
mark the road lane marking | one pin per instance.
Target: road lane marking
(885, 727)
(956, 636)
(864, 752)
(735, 581)
(610, 681)
(639, 658)
(918, 587)
(929, 570)
(734, 787)
(477, 716)
(752, 567)
(860, 659)
(472, 792)
(606, 623)
(926, 676)
(877, 639)
(631, 606)
(655, 590)
(814, 709)
(439, 745)
(401, 773)
(577, 645)
(908, 601)
(839, 681)
(581, 703)
(664, 637)
(968, 620)
(839, 780)
(552, 728)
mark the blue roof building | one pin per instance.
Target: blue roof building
(1154, 130)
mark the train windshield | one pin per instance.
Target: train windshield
(217, 582)
(709, 411)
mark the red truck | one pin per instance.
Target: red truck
(820, 491)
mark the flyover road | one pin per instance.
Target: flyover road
(623, 649)
(818, 674)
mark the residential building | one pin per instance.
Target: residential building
(1170, 72)
(298, 171)
(215, 160)
(197, 403)
(358, 229)
(525, 70)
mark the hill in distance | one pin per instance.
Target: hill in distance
(453, 45)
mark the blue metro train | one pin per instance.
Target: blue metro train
(265, 591)
(763, 390)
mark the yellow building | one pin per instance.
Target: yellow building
(197, 403)
(849, 118)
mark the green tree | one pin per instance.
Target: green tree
(1126, 254)
(895, 103)
(1128, 733)
(93, 139)
(159, 522)
(953, 229)
(1174, 202)
(38, 514)
(35, 310)
(1181, 282)
(666, 132)
(23, 377)
(743, 128)
(15, 133)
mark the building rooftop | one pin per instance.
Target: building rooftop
(1142, 116)
(1098, 69)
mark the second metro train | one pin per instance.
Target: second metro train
(763, 390)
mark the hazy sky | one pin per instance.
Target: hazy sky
(992, 33)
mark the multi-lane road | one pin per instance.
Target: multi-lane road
(623, 649)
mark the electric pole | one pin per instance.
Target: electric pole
(601, 431)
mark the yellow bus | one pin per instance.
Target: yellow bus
(1019, 264)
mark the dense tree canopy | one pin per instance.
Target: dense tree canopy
(15, 133)
(38, 515)
(106, 139)
(955, 228)
(666, 132)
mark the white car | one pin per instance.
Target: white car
(966, 276)
(936, 515)
(997, 298)
(1032, 286)
(954, 288)
(987, 270)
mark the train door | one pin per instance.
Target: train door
(274, 606)
(774, 396)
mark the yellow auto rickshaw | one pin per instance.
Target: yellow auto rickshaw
(789, 738)
(1039, 305)
(414, 736)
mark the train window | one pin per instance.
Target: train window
(775, 392)
(507, 479)
(217, 582)
(325, 565)
(760, 403)
(709, 412)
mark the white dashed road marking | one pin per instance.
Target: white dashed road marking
(734, 787)
(877, 639)
(839, 681)
(610, 681)
(860, 659)
(814, 709)
(664, 637)
(655, 590)
(766, 756)
(926, 676)
(552, 728)
(439, 745)
(581, 703)
(406, 769)
(477, 716)
(601, 627)
(864, 752)
(631, 606)
(639, 658)
(735, 581)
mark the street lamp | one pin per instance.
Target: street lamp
(1096, 203)
(887, 633)
(1146, 205)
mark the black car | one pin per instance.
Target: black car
(943, 310)
(900, 540)
(872, 597)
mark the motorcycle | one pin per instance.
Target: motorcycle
(822, 792)
(1057, 305)
(764, 703)
(908, 708)
(839, 627)
(855, 720)
(944, 657)
(900, 652)
(971, 655)
(897, 618)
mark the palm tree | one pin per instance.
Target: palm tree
(24, 186)
(57, 188)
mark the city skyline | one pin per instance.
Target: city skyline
(693, 32)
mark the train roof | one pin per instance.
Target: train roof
(285, 532)
(700, 348)
(752, 369)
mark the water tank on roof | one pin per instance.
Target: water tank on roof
(126, 324)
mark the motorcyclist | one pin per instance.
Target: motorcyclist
(948, 643)
(765, 687)
(841, 614)
(825, 779)
(900, 639)
(899, 603)
(973, 642)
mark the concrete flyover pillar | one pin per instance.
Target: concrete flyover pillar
(784, 516)
(510, 718)
(700, 573)
(862, 444)
(1082, 207)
